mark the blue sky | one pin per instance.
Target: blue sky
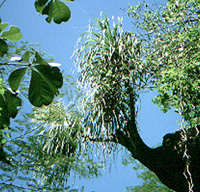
(59, 41)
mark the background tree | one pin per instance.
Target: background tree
(115, 66)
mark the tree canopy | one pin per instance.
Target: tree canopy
(114, 67)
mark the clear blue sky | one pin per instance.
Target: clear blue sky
(59, 41)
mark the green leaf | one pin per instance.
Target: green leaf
(13, 103)
(3, 26)
(39, 60)
(40, 5)
(15, 78)
(40, 93)
(3, 140)
(7, 135)
(61, 12)
(48, 10)
(26, 56)
(44, 85)
(13, 34)
(4, 116)
(51, 75)
(9, 107)
(56, 10)
(3, 47)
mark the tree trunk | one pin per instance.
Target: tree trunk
(167, 161)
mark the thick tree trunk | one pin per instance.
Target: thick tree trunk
(168, 161)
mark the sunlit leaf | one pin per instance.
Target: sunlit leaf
(13, 34)
(61, 12)
(3, 26)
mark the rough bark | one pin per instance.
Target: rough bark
(168, 161)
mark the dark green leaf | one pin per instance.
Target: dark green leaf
(3, 47)
(61, 12)
(40, 5)
(13, 34)
(40, 93)
(51, 75)
(48, 10)
(4, 117)
(15, 78)
(9, 104)
(13, 103)
(39, 60)
(44, 85)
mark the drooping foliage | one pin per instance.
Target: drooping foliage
(111, 67)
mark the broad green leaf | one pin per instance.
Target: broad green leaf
(69, 0)
(26, 56)
(44, 85)
(15, 78)
(40, 93)
(3, 47)
(61, 12)
(3, 26)
(56, 10)
(13, 34)
(51, 75)
(39, 60)
(13, 103)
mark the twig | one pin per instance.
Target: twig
(2, 3)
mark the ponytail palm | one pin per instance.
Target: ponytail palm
(111, 73)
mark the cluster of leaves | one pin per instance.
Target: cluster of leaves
(43, 85)
(55, 9)
(45, 79)
(110, 67)
(173, 53)
(13, 34)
